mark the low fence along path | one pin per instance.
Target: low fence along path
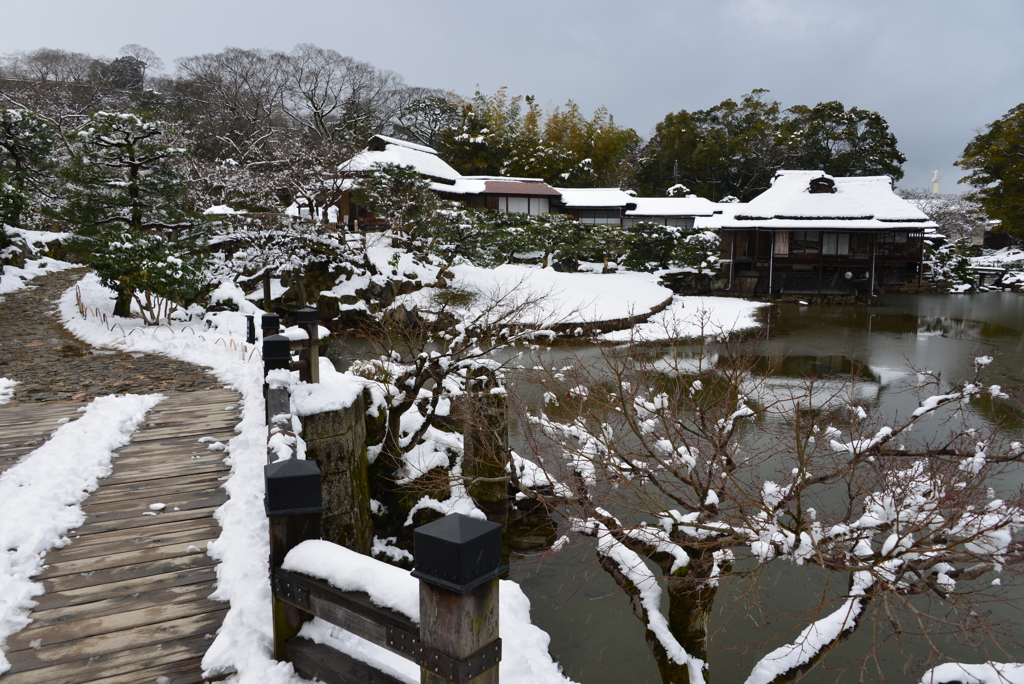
(128, 599)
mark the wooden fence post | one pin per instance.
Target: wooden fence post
(293, 504)
(458, 561)
(309, 320)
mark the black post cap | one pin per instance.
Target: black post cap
(270, 321)
(307, 316)
(276, 352)
(458, 552)
(293, 488)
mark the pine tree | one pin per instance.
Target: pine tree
(994, 161)
(26, 169)
(125, 198)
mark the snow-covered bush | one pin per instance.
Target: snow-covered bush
(698, 251)
(951, 264)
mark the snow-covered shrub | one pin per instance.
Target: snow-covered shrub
(698, 251)
(649, 244)
(951, 263)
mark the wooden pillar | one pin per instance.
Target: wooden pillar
(458, 561)
(484, 420)
(293, 505)
(336, 441)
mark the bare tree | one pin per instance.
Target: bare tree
(691, 472)
(957, 216)
(235, 99)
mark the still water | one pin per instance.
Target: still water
(594, 634)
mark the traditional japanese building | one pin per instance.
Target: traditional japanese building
(602, 206)
(813, 234)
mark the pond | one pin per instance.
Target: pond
(594, 634)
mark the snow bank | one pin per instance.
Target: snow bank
(6, 389)
(15, 278)
(40, 497)
(692, 317)
(985, 673)
(525, 657)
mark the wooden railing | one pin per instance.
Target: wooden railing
(458, 562)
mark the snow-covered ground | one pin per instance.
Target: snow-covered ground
(15, 278)
(243, 643)
(554, 297)
(40, 497)
(34, 241)
(6, 389)
(692, 317)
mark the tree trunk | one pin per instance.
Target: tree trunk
(123, 304)
(266, 290)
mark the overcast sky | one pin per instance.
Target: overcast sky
(936, 70)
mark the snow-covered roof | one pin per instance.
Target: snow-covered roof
(864, 202)
(724, 212)
(385, 150)
(595, 197)
(672, 206)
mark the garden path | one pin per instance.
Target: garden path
(127, 599)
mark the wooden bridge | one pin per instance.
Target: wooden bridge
(127, 599)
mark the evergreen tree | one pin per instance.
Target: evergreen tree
(26, 168)
(400, 196)
(125, 197)
(994, 160)
(735, 148)
(845, 142)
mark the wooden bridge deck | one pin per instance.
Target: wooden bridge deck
(127, 600)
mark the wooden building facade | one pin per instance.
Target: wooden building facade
(811, 234)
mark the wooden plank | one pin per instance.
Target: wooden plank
(63, 615)
(144, 521)
(153, 494)
(175, 436)
(104, 645)
(317, 661)
(92, 578)
(122, 623)
(131, 661)
(114, 560)
(350, 610)
(83, 595)
(134, 490)
(191, 468)
(188, 671)
(125, 540)
(37, 413)
(134, 509)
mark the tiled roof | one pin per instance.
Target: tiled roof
(533, 188)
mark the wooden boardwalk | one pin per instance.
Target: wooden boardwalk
(127, 600)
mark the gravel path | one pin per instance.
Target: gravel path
(53, 366)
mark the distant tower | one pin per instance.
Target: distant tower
(936, 177)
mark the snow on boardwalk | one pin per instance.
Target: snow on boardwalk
(127, 599)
